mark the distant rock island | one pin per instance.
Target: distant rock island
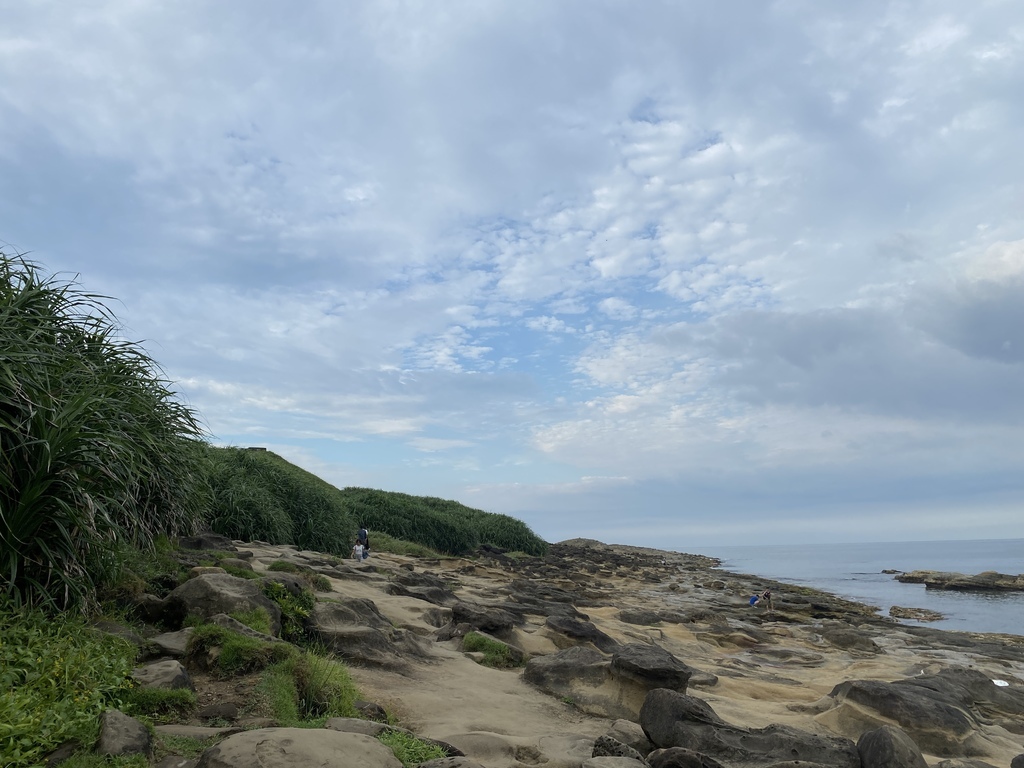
(988, 581)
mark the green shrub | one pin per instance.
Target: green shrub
(96, 450)
(307, 689)
(92, 760)
(56, 677)
(409, 749)
(495, 654)
(284, 566)
(295, 609)
(239, 654)
(162, 705)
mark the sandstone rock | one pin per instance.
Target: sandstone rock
(650, 666)
(673, 719)
(485, 617)
(640, 617)
(223, 710)
(604, 761)
(355, 630)
(606, 746)
(678, 757)
(165, 675)
(216, 593)
(176, 761)
(958, 763)
(937, 711)
(298, 748)
(581, 631)
(202, 570)
(630, 734)
(918, 614)
(989, 581)
(451, 762)
(173, 644)
(123, 735)
(889, 747)
(851, 640)
(1017, 762)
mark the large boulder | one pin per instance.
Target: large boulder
(489, 618)
(298, 748)
(889, 747)
(165, 675)
(939, 712)
(607, 687)
(677, 757)
(214, 593)
(357, 631)
(650, 666)
(578, 631)
(672, 719)
(123, 735)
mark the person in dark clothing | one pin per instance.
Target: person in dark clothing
(363, 537)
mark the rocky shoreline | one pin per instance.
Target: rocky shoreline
(628, 657)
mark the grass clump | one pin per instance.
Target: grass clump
(56, 677)
(306, 690)
(410, 750)
(238, 654)
(496, 654)
(159, 704)
(258, 618)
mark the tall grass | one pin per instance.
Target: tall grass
(95, 450)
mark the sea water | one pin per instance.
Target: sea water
(854, 571)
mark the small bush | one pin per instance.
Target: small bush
(495, 654)
(284, 566)
(409, 749)
(322, 584)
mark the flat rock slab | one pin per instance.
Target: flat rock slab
(298, 748)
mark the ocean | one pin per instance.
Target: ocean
(854, 571)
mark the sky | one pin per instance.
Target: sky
(663, 273)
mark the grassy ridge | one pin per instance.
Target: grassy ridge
(259, 495)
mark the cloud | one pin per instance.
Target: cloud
(505, 250)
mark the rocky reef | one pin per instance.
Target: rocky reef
(616, 657)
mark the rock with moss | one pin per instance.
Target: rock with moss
(289, 747)
(214, 593)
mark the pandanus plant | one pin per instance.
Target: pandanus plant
(96, 451)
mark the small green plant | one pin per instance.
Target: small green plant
(238, 654)
(161, 705)
(242, 573)
(495, 654)
(322, 584)
(409, 749)
(285, 566)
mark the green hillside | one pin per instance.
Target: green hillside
(256, 494)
